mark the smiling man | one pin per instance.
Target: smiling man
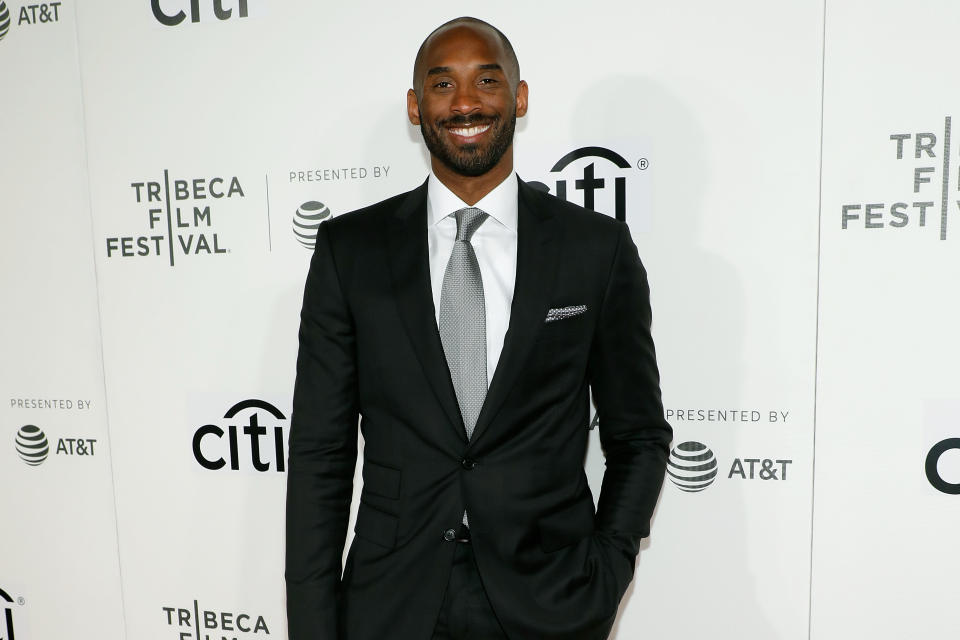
(467, 321)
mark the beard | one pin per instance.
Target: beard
(471, 159)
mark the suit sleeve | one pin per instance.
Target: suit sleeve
(626, 390)
(323, 451)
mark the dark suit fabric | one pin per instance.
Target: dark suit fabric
(552, 568)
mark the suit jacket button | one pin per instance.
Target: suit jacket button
(450, 535)
(468, 464)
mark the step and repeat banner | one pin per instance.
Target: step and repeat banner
(787, 173)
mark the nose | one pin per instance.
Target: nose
(466, 99)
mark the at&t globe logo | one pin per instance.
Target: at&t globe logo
(32, 445)
(307, 220)
(4, 20)
(692, 466)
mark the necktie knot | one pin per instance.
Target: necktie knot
(468, 221)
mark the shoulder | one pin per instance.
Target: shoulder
(577, 222)
(361, 222)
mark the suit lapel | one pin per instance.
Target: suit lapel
(410, 271)
(537, 253)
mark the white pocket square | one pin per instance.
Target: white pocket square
(565, 312)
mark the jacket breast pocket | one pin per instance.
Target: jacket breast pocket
(566, 332)
(566, 526)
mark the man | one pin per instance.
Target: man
(466, 322)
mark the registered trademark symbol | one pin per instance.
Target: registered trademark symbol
(642, 164)
(21, 601)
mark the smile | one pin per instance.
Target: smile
(469, 132)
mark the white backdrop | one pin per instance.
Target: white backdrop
(154, 174)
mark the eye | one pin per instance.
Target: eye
(442, 84)
(488, 81)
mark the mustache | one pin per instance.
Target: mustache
(468, 121)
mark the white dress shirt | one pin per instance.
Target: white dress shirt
(494, 242)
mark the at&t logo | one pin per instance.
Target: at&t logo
(307, 220)
(692, 466)
(768, 469)
(4, 20)
(215, 448)
(33, 447)
(30, 14)
(40, 13)
(174, 16)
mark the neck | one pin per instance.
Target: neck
(472, 189)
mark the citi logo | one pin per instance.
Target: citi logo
(6, 624)
(610, 175)
(173, 17)
(932, 466)
(215, 448)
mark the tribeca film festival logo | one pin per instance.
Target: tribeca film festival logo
(929, 202)
(216, 448)
(33, 447)
(178, 219)
(692, 467)
(6, 624)
(195, 623)
(29, 14)
(175, 12)
(610, 178)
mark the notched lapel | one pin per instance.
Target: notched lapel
(537, 253)
(410, 271)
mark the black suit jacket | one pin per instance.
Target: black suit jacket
(369, 345)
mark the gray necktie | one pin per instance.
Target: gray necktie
(463, 321)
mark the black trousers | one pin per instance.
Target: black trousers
(466, 613)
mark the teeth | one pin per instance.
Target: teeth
(469, 131)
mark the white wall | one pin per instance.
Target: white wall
(820, 353)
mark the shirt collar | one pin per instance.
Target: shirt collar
(500, 204)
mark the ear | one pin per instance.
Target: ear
(413, 108)
(522, 92)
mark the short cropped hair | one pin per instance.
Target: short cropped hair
(513, 65)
